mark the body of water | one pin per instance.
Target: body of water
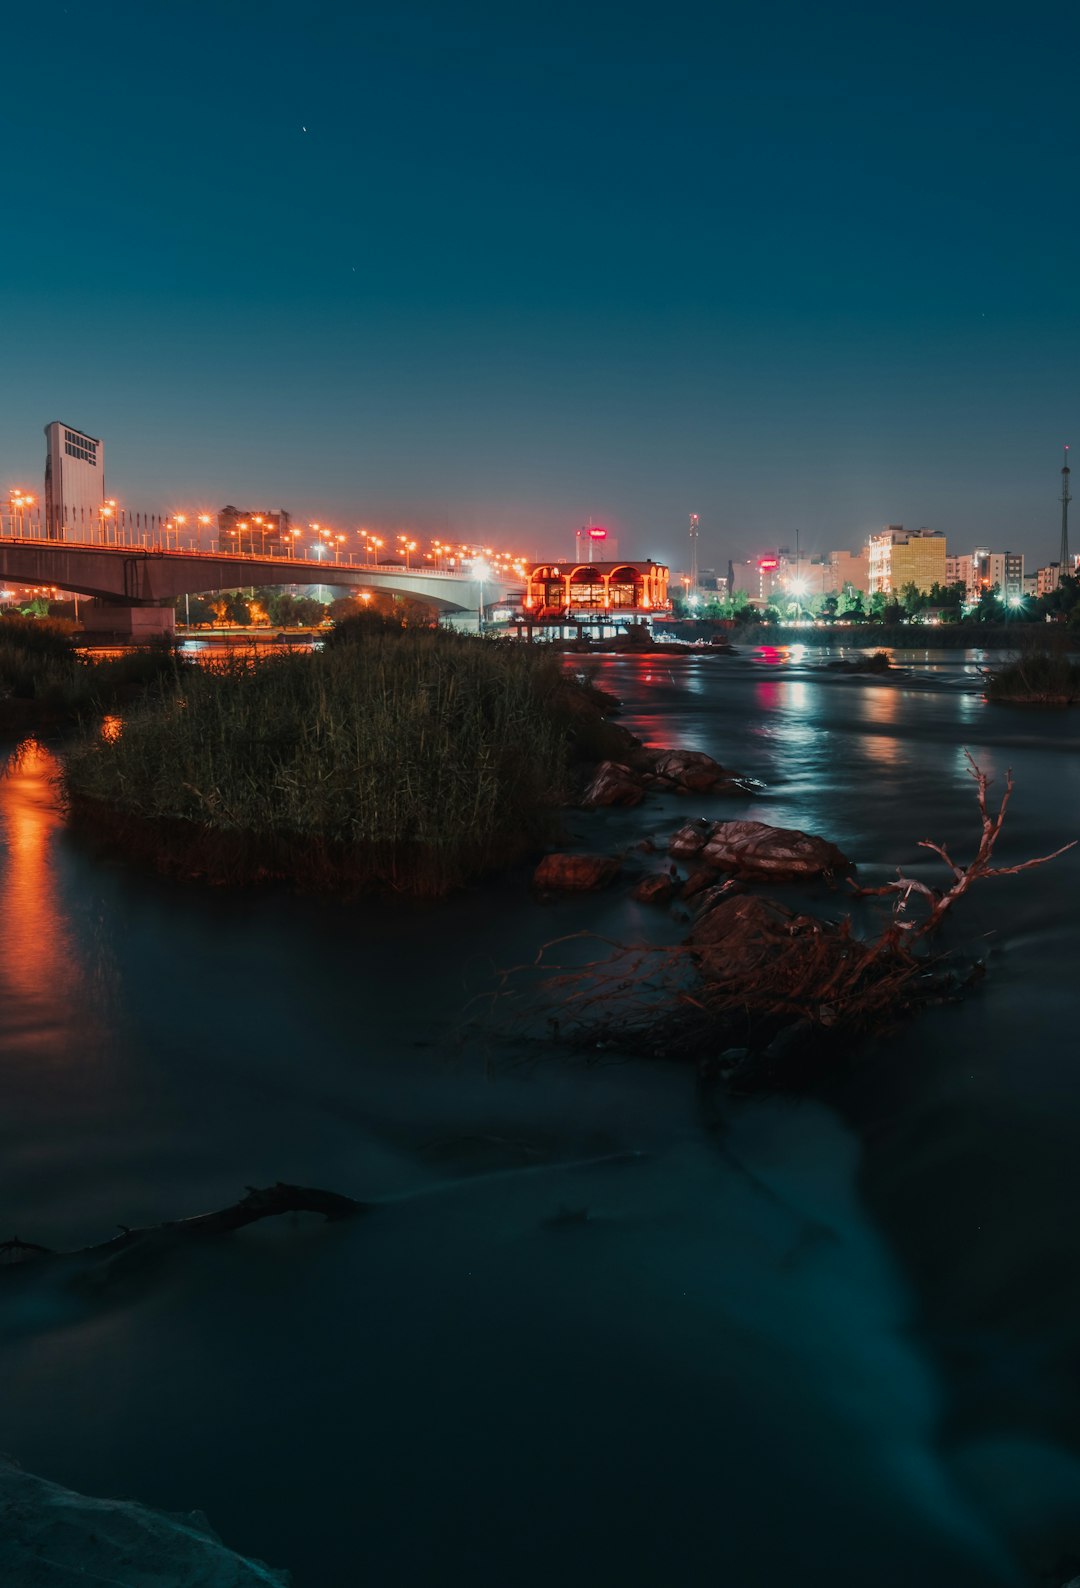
(819, 1341)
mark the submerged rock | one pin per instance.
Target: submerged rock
(656, 889)
(756, 850)
(562, 873)
(51, 1537)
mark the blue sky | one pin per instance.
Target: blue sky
(784, 267)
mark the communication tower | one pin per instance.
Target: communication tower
(1064, 566)
(693, 553)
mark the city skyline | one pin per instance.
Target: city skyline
(493, 275)
(555, 540)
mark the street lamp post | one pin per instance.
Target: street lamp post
(482, 572)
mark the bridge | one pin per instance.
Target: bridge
(135, 586)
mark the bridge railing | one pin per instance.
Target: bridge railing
(173, 544)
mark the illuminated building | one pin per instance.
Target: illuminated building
(74, 483)
(841, 570)
(897, 559)
(590, 539)
(596, 588)
(769, 571)
(981, 570)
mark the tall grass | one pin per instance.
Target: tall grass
(43, 676)
(1040, 677)
(413, 760)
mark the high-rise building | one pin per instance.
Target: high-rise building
(897, 559)
(74, 483)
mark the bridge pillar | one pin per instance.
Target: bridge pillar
(133, 624)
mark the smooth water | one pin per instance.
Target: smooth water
(829, 1342)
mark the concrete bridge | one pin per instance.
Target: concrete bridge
(135, 586)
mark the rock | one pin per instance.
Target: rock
(692, 838)
(561, 873)
(700, 879)
(755, 850)
(690, 769)
(614, 784)
(656, 889)
(52, 1535)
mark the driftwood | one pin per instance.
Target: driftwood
(266, 1203)
(963, 876)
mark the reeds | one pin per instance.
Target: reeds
(43, 677)
(414, 761)
(1039, 677)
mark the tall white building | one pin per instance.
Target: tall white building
(74, 483)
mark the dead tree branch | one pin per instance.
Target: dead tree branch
(963, 876)
(266, 1203)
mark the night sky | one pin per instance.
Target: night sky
(781, 265)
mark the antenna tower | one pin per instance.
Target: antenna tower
(693, 553)
(1064, 566)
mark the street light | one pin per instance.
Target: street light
(482, 571)
(20, 501)
(204, 520)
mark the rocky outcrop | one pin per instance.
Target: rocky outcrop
(661, 771)
(50, 1537)
(613, 784)
(563, 873)
(756, 851)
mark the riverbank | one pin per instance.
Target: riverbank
(903, 636)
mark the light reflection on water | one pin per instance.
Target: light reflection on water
(39, 955)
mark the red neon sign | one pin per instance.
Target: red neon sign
(598, 534)
(768, 562)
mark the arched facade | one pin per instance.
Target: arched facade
(597, 588)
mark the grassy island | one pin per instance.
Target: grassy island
(412, 760)
(1039, 678)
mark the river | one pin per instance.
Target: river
(832, 1342)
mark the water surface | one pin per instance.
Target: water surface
(832, 1341)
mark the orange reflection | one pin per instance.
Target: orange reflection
(879, 709)
(881, 704)
(37, 961)
(111, 727)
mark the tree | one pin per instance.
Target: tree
(990, 608)
(194, 609)
(912, 598)
(309, 612)
(829, 606)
